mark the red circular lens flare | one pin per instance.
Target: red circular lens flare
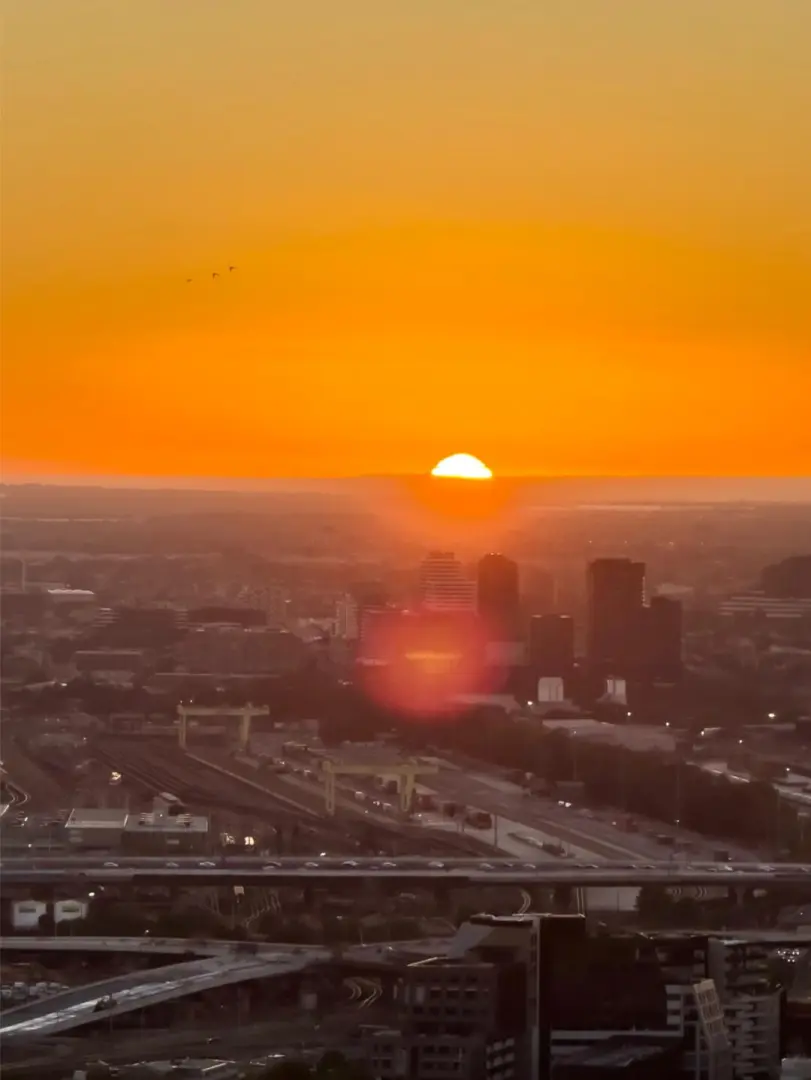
(420, 664)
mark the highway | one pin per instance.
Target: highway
(526, 827)
(583, 832)
(126, 993)
(377, 951)
(71, 1009)
(256, 870)
(149, 945)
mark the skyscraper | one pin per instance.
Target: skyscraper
(662, 639)
(498, 597)
(616, 598)
(443, 585)
(551, 646)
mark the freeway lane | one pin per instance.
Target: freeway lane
(583, 832)
(247, 870)
(521, 812)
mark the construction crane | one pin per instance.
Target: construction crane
(405, 772)
(245, 713)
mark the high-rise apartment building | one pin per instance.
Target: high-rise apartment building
(498, 599)
(347, 623)
(443, 585)
(615, 598)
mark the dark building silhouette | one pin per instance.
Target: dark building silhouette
(616, 598)
(662, 640)
(227, 613)
(551, 646)
(499, 602)
(142, 626)
(789, 579)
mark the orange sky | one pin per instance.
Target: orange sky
(565, 237)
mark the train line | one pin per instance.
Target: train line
(192, 782)
(203, 786)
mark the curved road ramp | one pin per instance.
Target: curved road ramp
(126, 993)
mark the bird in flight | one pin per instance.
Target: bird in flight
(189, 280)
(231, 269)
(215, 276)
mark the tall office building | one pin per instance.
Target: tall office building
(551, 646)
(499, 603)
(443, 585)
(662, 640)
(616, 598)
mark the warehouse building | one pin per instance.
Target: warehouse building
(95, 829)
(158, 833)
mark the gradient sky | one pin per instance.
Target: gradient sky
(568, 236)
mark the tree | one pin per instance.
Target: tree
(329, 1062)
(333, 1064)
(286, 1070)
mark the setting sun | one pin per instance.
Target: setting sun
(462, 467)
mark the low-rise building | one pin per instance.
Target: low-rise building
(159, 833)
(98, 829)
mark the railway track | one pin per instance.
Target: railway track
(205, 788)
(201, 787)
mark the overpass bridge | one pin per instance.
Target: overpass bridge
(46, 870)
(149, 946)
(137, 990)
(227, 964)
(385, 951)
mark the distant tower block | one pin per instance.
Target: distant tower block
(245, 714)
(550, 691)
(615, 691)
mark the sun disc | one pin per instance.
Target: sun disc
(462, 467)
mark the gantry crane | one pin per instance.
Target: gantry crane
(406, 773)
(244, 712)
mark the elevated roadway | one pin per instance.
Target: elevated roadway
(256, 870)
(384, 951)
(126, 993)
(150, 946)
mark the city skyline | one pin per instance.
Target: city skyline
(585, 233)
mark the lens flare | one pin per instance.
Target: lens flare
(420, 664)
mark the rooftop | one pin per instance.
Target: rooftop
(179, 823)
(94, 818)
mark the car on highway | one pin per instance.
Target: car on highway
(272, 866)
(172, 866)
(110, 865)
(436, 865)
(312, 866)
(209, 865)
